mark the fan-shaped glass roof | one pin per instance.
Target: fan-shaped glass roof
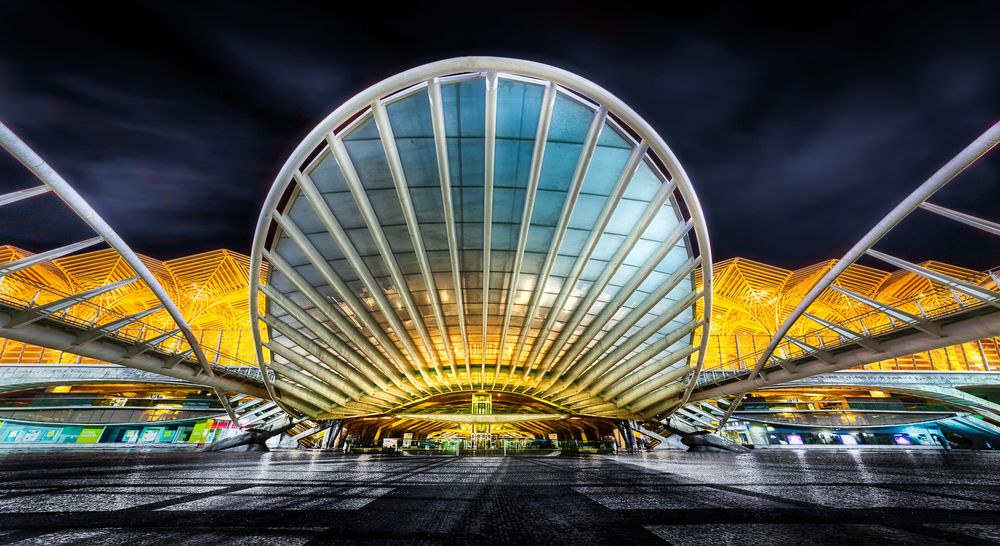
(482, 224)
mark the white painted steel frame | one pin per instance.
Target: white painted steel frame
(58, 185)
(932, 334)
(431, 76)
(986, 142)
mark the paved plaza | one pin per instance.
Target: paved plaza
(786, 497)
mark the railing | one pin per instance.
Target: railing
(932, 304)
(89, 315)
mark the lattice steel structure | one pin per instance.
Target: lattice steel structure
(208, 288)
(752, 299)
(483, 224)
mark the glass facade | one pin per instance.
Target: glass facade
(484, 231)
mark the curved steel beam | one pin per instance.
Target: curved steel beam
(579, 175)
(535, 171)
(388, 139)
(444, 173)
(431, 76)
(978, 148)
(48, 176)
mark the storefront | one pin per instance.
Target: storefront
(18, 433)
(764, 435)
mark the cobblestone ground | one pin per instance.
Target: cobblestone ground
(785, 497)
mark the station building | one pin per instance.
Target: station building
(482, 254)
(51, 396)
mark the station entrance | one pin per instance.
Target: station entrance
(480, 423)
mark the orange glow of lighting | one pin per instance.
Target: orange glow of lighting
(751, 300)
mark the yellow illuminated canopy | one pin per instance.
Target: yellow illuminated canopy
(209, 288)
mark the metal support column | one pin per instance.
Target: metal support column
(330, 435)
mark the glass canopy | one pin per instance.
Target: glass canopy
(475, 230)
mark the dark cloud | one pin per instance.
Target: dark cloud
(799, 131)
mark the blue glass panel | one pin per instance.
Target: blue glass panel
(559, 165)
(562, 265)
(642, 250)
(466, 161)
(548, 206)
(435, 237)
(674, 260)
(325, 245)
(539, 239)
(411, 116)
(342, 269)
(414, 132)
(369, 160)
(398, 237)
(587, 210)
(344, 209)
(512, 163)
(531, 264)
(568, 128)
(657, 310)
(518, 106)
(366, 130)
(471, 238)
(503, 237)
(607, 245)
(619, 278)
(570, 120)
(408, 265)
(593, 270)
(636, 299)
(652, 281)
(679, 346)
(303, 214)
(418, 157)
(362, 241)
(661, 226)
(327, 176)
(625, 216)
(290, 251)
(681, 290)
(505, 202)
(385, 203)
(606, 167)
(377, 268)
(472, 203)
(464, 105)
(427, 204)
(310, 274)
(572, 243)
(644, 184)
(687, 315)
(610, 137)
(280, 282)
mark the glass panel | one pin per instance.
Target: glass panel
(518, 109)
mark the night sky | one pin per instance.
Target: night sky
(173, 121)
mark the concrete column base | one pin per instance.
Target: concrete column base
(251, 440)
(707, 442)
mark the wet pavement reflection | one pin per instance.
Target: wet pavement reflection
(296, 497)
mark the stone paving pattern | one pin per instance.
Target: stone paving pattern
(766, 497)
